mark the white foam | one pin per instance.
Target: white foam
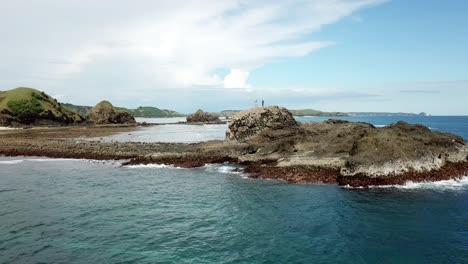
(51, 159)
(154, 166)
(222, 168)
(10, 161)
(454, 184)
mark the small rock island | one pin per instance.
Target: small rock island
(202, 117)
(104, 113)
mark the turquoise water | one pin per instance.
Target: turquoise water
(78, 211)
(65, 211)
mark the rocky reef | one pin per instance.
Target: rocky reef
(271, 144)
(275, 121)
(104, 113)
(201, 116)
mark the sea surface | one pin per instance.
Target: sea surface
(82, 211)
(170, 131)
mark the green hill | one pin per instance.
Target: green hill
(148, 111)
(142, 111)
(27, 106)
(82, 110)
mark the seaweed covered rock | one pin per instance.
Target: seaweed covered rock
(105, 113)
(245, 125)
(201, 116)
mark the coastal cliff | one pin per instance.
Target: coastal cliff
(271, 144)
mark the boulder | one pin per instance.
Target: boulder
(203, 117)
(105, 113)
(278, 122)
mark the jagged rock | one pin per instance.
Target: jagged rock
(277, 121)
(105, 113)
(203, 117)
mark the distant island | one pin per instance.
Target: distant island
(142, 111)
(29, 106)
(313, 112)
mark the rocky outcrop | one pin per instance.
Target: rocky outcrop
(272, 145)
(105, 113)
(203, 117)
(248, 124)
(400, 148)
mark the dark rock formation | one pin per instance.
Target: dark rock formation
(203, 117)
(105, 113)
(277, 121)
(273, 145)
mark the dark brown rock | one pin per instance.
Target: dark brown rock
(105, 113)
(203, 117)
(276, 122)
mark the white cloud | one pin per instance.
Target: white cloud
(117, 47)
(237, 79)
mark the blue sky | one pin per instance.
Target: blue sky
(333, 55)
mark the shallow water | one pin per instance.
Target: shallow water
(78, 211)
(198, 133)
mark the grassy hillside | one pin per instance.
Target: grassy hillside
(82, 110)
(148, 111)
(142, 111)
(26, 106)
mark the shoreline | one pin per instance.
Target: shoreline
(291, 175)
(340, 152)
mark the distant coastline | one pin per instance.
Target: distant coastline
(317, 113)
(142, 111)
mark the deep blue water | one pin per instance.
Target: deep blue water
(75, 211)
(64, 211)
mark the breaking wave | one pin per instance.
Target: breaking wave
(222, 168)
(453, 184)
(154, 166)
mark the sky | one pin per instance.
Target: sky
(330, 55)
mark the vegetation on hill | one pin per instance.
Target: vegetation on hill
(82, 110)
(142, 111)
(148, 111)
(30, 106)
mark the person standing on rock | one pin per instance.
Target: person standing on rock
(263, 103)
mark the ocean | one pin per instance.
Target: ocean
(82, 211)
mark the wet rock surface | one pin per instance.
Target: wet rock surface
(345, 153)
(248, 124)
(203, 117)
(105, 113)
